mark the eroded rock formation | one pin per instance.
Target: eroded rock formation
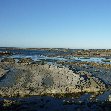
(34, 79)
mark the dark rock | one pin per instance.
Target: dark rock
(10, 60)
(25, 60)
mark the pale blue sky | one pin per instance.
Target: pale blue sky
(55, 23)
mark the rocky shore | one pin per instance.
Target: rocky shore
(100, 70)
(24, 78)
(28, 85)
(49, 84)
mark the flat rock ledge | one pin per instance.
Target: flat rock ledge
(17, 79)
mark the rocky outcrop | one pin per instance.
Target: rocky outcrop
(34, 79)
(39, 62)
(90, 83)
(25, 60)
(9, 60)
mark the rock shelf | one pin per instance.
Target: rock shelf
(33, 79)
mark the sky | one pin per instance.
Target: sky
(55, 23)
